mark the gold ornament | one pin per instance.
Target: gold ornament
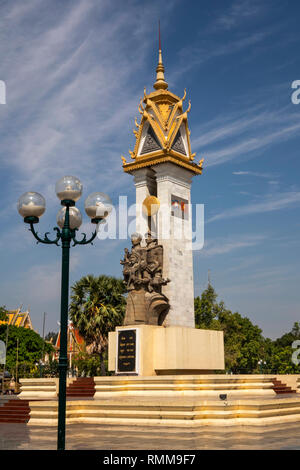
(151, 205)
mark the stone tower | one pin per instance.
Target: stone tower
(163, 166)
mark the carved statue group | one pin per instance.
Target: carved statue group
(143, 276)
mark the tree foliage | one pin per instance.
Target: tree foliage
(90, 365)
(51, 336)
(30, 346)
(97, 306)
(244, 343)
(3, 313)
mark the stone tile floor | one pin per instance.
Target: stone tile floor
(101, 437)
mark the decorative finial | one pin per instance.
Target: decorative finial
(160, 83)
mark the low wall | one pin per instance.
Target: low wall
(41, 387)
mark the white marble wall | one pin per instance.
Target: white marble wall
(175, 235)
(145, 184)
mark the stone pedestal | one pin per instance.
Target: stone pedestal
(157, 350)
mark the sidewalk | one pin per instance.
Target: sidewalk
(101, 437)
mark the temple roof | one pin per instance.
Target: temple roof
(18, 318)
(162, 134)
(76, 342)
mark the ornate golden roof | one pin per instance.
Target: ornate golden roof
(18, 318)
(162, 134)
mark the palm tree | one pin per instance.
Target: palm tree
(97, 306)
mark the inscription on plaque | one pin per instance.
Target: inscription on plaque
(127, 351)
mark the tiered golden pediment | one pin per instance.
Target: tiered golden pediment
(163, 133)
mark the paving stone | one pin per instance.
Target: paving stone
(100, 437)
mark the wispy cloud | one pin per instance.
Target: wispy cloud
(252, 144)
(221, 246)
(210, 49)
(238, 12)
(269, 203)
(70, 93)
(255, 173)
(236, 136)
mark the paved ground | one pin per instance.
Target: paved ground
(100, 437)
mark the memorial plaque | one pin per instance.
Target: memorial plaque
(126, 351)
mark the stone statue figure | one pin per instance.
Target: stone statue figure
(143, 276)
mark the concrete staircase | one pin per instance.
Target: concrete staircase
(181, 412)
(39, 388)
(280, 388)
(15, 411)
(82, 387)
(172, 400)
(184, 401)
(197, 385)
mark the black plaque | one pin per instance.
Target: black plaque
(127, 351)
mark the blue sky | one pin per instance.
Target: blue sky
(75, 72)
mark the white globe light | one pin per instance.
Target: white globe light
(31, 204)
(68, 188)
(75, 217)
(98, 205)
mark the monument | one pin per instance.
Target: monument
(142, 272)
(159, 335)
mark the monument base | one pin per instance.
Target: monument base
(147, 350)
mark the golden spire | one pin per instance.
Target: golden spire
(160, 83)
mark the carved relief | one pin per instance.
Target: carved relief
(178, 145)
(151, 143)
(143, 276)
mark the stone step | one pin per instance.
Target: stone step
(146, 413)
(281, 388)
(14, 414)
(15, 411)
(11, 409)
(81, 394)
(81, 387)
(78, 389)
(13, 420)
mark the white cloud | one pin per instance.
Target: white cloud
(72, 90)
(221, 246)
(238, 12)
(255, 173)
(236, 135)
(270, 203)
(210, 49)
(251, 144)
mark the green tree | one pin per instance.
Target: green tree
(29, 350)
(288, 338)
(207, 309)
(243, 341)
(51, 336)
(3, 313)
(280, 351)
(97, 306)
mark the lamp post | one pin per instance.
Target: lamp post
(31, 207)
(261, 364)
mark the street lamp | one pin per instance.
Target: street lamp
(261, 364)
(31, 207)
